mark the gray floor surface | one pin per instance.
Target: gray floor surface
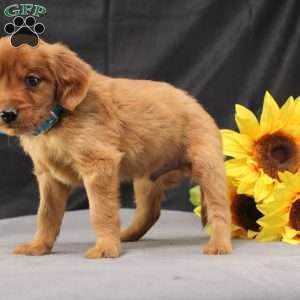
(166, 264)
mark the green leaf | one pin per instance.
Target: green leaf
(195, 195)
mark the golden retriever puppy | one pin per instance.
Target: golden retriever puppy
(84, 128)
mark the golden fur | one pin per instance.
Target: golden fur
(114, 130)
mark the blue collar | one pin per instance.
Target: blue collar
(55, 115)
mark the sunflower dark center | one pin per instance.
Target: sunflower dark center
(277, 152)
(245, 213)
(295, 215)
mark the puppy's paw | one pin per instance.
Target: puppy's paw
(105, 249)
(32, 249)
(215, 247)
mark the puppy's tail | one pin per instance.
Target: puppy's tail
(203, 210)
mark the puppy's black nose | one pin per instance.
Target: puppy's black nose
(8, 115)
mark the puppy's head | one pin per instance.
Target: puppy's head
(32, 80)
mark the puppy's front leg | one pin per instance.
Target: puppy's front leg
(53, 197)
(102, 186)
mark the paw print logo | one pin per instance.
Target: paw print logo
(24, 31)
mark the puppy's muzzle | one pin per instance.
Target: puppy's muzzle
(9, 115)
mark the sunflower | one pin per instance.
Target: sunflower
(262, 149)
(244, 214)
(243, 211)
(281, 218)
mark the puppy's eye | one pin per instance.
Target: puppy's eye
(32, 81)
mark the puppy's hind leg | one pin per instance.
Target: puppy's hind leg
(205, 154)
(148, 196)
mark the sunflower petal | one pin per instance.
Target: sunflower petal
(263, 187)
(251, 234)
(297, 110)
(293, 129)
(272, 221)
(268, 234)
(291, 241)
(269, 199)
(270, 208)
(197, 211)
(288, 112)
(251, 176)
(245, 188)
(235, 144)
(270, 115)
(246, 121)
(285, 176)
(290, 236)
(236, 167)
(292, 180)
(289, 232)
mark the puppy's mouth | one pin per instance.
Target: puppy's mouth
(35, 123)
(8, 131)
(30, 120)
(12, 130)
(18, 127)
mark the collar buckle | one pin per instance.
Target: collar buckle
(55, 115)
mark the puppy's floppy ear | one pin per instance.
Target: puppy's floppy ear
(72, 76)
